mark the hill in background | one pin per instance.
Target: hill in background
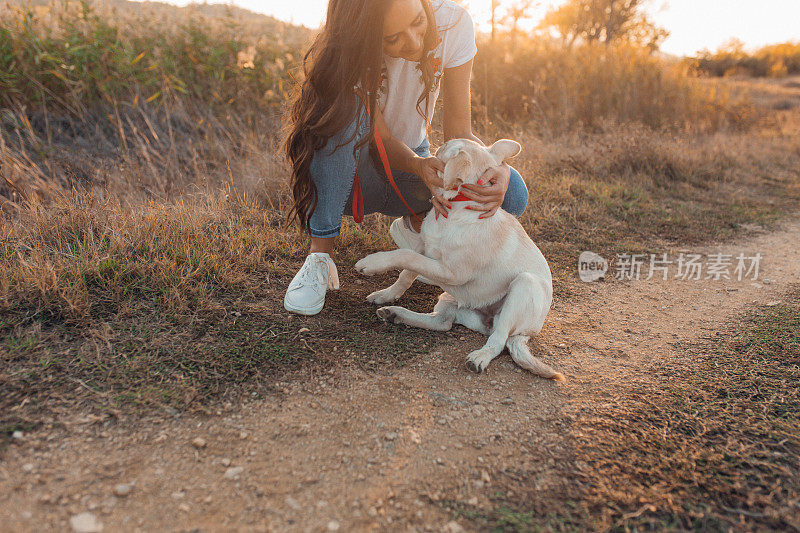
(253, 24)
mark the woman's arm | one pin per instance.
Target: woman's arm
(457, 123)
(456, 113)
(401, 157)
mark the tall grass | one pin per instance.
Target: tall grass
(556, 89)
(87, 257)
(71, 55)
(144, 100)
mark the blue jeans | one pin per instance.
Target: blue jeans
(333, 171)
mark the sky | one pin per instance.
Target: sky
(693, 24)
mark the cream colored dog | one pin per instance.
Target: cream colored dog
(496, 281)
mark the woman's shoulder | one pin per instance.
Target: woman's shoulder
(448, 13)
(457, 32)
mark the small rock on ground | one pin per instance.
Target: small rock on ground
(453, 527)
(122, 490)
(85, 523)
(233, 472)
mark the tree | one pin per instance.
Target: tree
(495, 4)
(604, 21)
(518, 11)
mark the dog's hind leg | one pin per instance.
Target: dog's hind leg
(394, 291)
(478, 360)
(523, 310)
(441, 319)
(518, 348)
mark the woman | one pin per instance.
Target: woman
(400, 50)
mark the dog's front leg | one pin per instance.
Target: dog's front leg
(440, 320)
(394, 291)
(377, 263)
(433, 270)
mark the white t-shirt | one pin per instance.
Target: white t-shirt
(403, 85)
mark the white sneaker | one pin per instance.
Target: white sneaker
(306, 292)
(404, 235)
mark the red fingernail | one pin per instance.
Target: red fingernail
(449, 206)
(480, 182)
(445, 215)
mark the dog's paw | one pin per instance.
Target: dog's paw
(370, 265)
(381, 297)
(478, 360)
(361, 267)
(473, 367)
(388, 314)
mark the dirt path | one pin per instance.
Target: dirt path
(362, 451)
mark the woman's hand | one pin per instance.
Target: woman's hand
(490, 191)
(428, 169)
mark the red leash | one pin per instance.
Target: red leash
(358, 199)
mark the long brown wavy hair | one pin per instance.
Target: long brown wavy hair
(346, 52)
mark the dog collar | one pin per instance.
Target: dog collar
(460, 198)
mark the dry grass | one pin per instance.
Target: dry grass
(776, 94)
(708, 442)
(168, 306)
(551, 90)
(84, 259)
(141, 154)
(725, 423)
(630, 189)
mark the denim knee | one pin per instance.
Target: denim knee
(516, 198)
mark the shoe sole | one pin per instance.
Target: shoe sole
(303, 311)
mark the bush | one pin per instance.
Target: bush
(774, 61)
(73, 55)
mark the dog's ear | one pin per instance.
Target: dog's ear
(456, 168)
(505, 149)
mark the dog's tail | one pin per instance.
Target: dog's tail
(518, 347)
